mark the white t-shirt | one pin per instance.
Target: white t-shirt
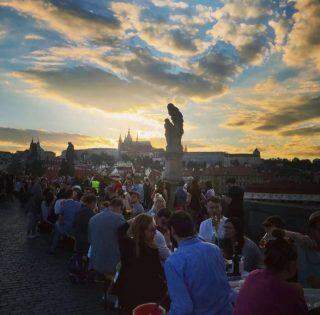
(207, 231)
(164, 251)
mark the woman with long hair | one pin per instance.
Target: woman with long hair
(235, 242)
(141, 277)
(267, 291)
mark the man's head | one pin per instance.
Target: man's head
(314, 226)
(90, 201)
(214, 206)
(162, 218)
(181, 225)
(116, 205)
(134, 197)
(273, 222)
(136, 180)
(68, 193)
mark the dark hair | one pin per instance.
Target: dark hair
(164, 213)
(209, 185)
(274, 220)
(68, 193)
(116, 202)
(238, 226)
(89, 198)
(215, 199)
(182, 224)
(278, 254)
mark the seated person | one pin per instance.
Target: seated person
(47, 206)
(141, 277)
(308, 247)
(196, 272)
(269, 225)
(235, 241)
(81, 222)
(64, 224)
(212, 229)
(266, 291)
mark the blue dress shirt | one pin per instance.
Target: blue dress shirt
(197, 280)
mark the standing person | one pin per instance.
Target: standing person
(136, 206)
(103, 237)
(162, 238)
(66, 216)
(267, 291)
(212, 229)
(236, 242)
(47, 205)
(162, 190)
(141, 277)
(81, 222)
(147, 191)
(235, 200)
(138, 187)
(158, 204)
(34, 207)
(195, 273)
(196, 202)
(180, 198)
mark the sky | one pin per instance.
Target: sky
(244, 73)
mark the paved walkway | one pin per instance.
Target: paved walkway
(33, 282)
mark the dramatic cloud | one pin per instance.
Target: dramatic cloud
(161, 73)
(19, 139)
(90, 87)
(307, 131)
(73, 23)
(234, 67)
(304, 39)
(291, 115)
(281, 29)
(218, 66)
(240, 25)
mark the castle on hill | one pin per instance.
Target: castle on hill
(131, 147)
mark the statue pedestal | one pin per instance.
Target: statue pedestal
(172, 174)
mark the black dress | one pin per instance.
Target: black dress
(141, 279)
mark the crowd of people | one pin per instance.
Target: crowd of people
(178, 256)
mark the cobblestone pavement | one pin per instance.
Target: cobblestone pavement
(32, 281)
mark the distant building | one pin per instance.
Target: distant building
(5, 160)
(35, 152)
(223, 158)
(134, 148)
(218, 176)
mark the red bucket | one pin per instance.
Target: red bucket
(149, 309)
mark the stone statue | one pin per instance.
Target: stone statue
(174, 129)
(70, 154)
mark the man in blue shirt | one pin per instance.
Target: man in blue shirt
(103, 237)
(195, 272)
(64, 225)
